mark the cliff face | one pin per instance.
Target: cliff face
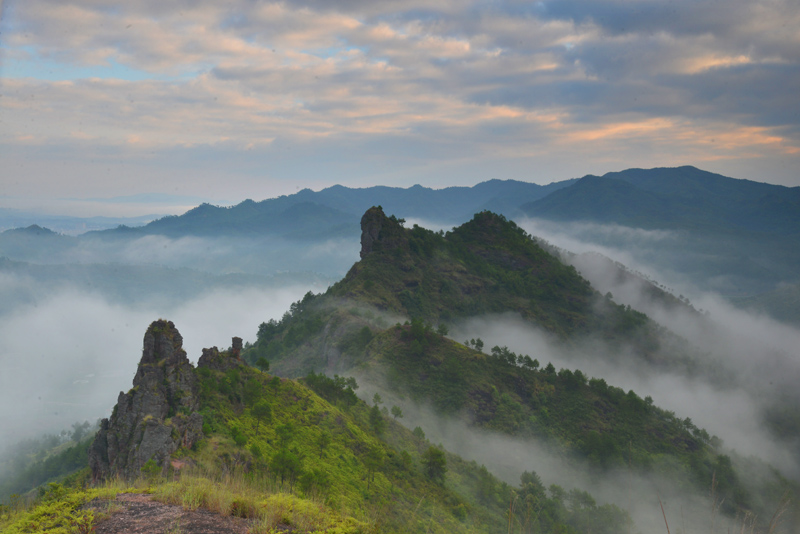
(380, 232)
(157, 416)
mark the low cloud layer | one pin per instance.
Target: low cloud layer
(219, 255)
(507, 457)
(67, 357)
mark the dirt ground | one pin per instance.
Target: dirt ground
(133, 513)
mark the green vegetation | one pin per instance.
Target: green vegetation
(347, 455)
(313, 465)
(310, 455)
(489, 265)
(34, 462)
(59, 509)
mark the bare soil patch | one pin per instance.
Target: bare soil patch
(135, 513)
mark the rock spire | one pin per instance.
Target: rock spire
(157, 416)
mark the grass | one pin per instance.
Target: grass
(258, 499)
(60, 510)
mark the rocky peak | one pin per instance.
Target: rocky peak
(157, 416)
(225, 360)
(236, 348)
(379, 231)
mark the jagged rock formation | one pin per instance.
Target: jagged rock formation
(157, 416)
(379, 231)
(222, 361)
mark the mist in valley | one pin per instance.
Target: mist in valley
(507, 457)
(69, 349)
(749, 367)
(264, 255)
(66, 358)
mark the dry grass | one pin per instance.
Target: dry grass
(255, 499)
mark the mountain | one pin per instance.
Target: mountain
(336, 210)
(287, 219)
(782, 303)
(490, 266)
(713, 233)
(12, 219)
(733, 237)
(486, 266)
(285, 456)
(222, 433)
(684, 198)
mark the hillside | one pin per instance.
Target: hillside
(486, 266)
(245, 442)
(287, 456)
(490, 266)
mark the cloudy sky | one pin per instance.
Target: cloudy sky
(227, 100)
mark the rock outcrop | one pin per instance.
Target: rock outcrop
(225, 360)
(379, 231)
(157, 416)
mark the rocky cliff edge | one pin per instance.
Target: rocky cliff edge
(159, 414)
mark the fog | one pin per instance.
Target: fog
(733, 413)
(67, 351)
(756, 355)
(507, 457)
(217, 255)
(73, 311)
(67, 357)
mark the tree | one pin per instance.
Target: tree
(285, 432)
(267, 330)
(397, 412)
(252, 391)
(485, 486)
(419, 433)
(442, 330)
(262, 411)
(315, 480)
(376, 420)
(376, 399)
(287, 465)
(323, 441)
(373, 460)
(79, 430)
(263, 364)
(434, 464)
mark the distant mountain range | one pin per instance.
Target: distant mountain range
(13, 219)
(735, 237)
(683, 198)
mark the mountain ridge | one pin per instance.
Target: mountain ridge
(489, 265)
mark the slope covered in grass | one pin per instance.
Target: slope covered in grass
(489, 265)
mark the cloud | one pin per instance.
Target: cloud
(734, 412)
(755, 354)
(507, 457)
(521, 87)
(92, 346)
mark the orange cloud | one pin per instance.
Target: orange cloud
(620, 130)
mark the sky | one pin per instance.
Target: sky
(227, 100)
